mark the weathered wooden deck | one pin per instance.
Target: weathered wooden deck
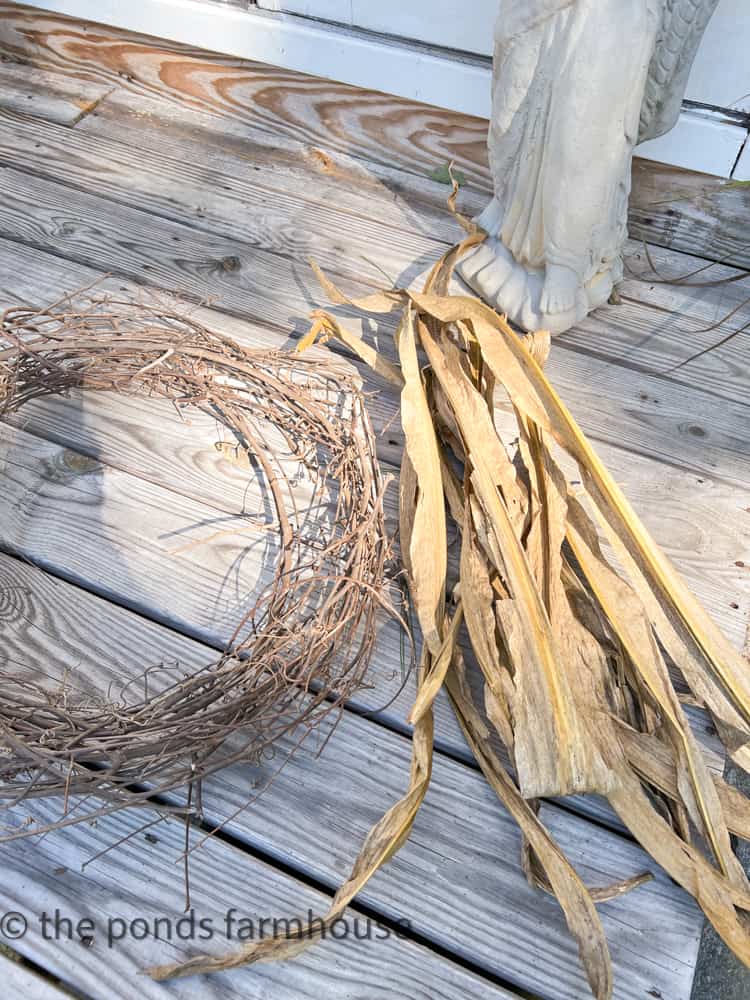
(200, 175)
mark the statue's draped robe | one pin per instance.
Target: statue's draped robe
(570, 77)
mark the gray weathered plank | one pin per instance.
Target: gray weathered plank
(54, 96)
(369, 125)
(121, 536)
(704, 215)
(140, 879)
(668, 449)
(233, 203)
(678, 323)
(679, 332)
(457, 880)
(145, 439)
(731, 454)
(275, 291)
(362, 187)
(247, 281)
(137, 542)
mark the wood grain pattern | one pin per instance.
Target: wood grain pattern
(288, 208)
(136, 543)
(225, 197)
(146, 440)
(55, 97)
(690, 336)
(292, 207)
(679, 321)
(704, 215)
(404, 199)
(205, 174)
(362, 123)
(457, 880)
(141, 880)
(325, 115)
(73, 514)
(125, 539)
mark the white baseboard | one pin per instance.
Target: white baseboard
(701, 141)
(439, 77)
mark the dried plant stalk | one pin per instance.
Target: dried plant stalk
(303, 646)
(580, 655)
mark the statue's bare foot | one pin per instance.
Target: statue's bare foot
(561, 285)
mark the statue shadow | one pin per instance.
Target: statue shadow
(376, 328)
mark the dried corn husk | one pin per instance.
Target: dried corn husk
(579, 651)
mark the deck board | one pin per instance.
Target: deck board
(140, 879)
(680, 319)
(669, 472)
(143, 461)
(221, 197)
(213, 191)
(149, 440)
(48, 95)
(181, 172)
(242, 194)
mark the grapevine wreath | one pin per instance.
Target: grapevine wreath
(302, 647)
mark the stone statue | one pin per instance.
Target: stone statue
(577, 84)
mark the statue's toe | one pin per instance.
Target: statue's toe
(475, 261)
(486, 269)
(553, 304)
(560, 292)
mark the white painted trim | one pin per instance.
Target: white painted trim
(701, 141)
(435, 22)
(720, 75)
(416, 72)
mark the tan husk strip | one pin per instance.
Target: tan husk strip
(573, 649)
(382, 842)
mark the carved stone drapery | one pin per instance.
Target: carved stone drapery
(577, 84)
